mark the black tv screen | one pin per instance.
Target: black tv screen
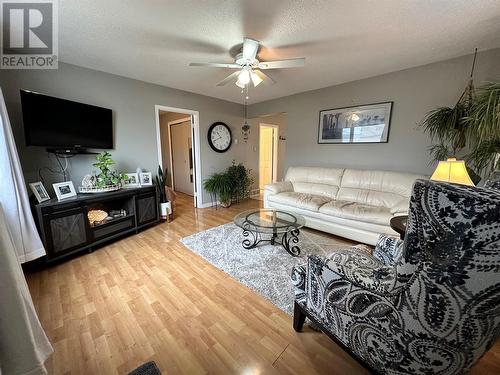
(60, 123)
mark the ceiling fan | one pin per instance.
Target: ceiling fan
(250, 68)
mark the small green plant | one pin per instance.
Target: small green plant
(107, 176)
(161, 183)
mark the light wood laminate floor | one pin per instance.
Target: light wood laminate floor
(146, 297)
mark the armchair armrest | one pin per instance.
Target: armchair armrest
(358, 268)
(388, 250)
(279, 187)
(298, 276)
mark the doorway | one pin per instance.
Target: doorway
(179, 149)
(268, 154)
(181, 161)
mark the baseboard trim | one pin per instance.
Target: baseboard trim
(209, 204)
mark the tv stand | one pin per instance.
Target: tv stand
(65, 228)
(71, 151)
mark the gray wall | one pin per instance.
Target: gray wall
(414, 92)
(132, 103)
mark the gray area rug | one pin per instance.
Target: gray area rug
(265, 269)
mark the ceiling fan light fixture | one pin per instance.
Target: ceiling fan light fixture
(255, 78)
(244, 77)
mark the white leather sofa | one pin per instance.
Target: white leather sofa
(355, 204)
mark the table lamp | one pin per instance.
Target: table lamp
(452, 170)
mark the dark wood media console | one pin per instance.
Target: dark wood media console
(65, 228)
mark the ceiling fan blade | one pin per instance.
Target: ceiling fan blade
(264, 77)
(229, 78)
(250, 48)
(216, 65)
(278, 64)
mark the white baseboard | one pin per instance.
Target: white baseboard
(254, 192)
(209, 204)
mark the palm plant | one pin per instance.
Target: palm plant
(483, 128)
(470, 129)
(446, 126)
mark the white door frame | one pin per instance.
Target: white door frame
(274, 176)
(169, 124)
(196, 152)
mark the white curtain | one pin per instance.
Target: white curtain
(24, 347)
(14, 197)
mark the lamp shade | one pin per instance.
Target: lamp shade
(452, 170)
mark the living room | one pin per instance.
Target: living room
(269, 190)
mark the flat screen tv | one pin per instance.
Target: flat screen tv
(63, 124)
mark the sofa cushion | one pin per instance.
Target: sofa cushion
(315, 180)
(304, 201)
(376, 188)
(357, 211)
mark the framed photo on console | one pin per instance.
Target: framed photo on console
(131, 180)
(64, 190)
(39, 191)
(146, 178)
(361, 124)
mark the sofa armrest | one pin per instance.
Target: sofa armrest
(279, 187)
(401, 207)
(388, 250)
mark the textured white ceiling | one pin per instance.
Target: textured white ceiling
(341, 40)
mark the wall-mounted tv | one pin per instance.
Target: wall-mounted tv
(63, 124)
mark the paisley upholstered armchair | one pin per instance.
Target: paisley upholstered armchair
(430, 304)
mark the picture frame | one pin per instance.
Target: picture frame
(39, 191)
(146, 178)
(64, 190)
(131, 180)
(369, 123)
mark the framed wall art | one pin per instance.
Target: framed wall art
(360, 124)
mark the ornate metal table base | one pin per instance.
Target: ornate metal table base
(289, 240)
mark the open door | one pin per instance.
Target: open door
(185, 165)
(268, 145)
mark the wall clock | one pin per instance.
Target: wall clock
(219, 137)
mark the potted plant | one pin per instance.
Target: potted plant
(483, 129)
(106, 177)
(231, 185)
(471, 130)
(161, 185)
(242, 181)
(220, 185)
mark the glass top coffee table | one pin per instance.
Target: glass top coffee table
(270, 225)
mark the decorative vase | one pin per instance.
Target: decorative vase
(226, 204)
(165, 210)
